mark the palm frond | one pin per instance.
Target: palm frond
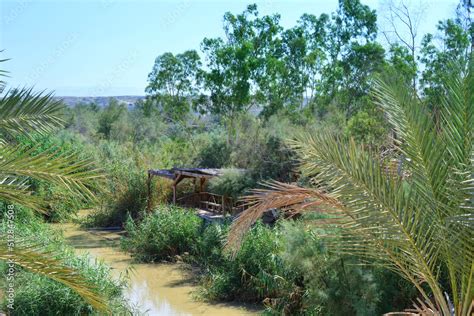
(3, 73)
(23, 111)
(45, 263)
(416, 139)
(16, 191)
(277, 195)
(457, 112)
(79, 175)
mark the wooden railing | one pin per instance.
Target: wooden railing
(207, 201)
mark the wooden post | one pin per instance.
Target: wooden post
(201, 185)
(223, 204)
(150, 194)
(177, 180)
(174, 193)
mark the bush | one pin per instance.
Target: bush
(337, 285)
(233, 183)
(367, 128)
(167, 232)
(215, 154)
(256, 274)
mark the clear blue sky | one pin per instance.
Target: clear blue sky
(107, 47)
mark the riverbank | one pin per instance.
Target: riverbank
(158, 289)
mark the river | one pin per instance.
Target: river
(158, 289)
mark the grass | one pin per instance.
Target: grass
(167, 232)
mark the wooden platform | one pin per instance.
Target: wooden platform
(209, 215)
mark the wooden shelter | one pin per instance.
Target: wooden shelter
(200, 198)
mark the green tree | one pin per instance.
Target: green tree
(402, 62)
(418, 224)
(352, 55)
(454, 48)
(23, 112)
(109, 115)
(173, 82)
(231, 64)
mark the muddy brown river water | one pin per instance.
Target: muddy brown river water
(157, 289)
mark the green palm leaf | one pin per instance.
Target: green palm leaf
(68, 170)
(45, 263)
(23, 111)
(16, 191)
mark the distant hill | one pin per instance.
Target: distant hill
(101, 101)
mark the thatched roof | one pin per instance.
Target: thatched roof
(173, 173)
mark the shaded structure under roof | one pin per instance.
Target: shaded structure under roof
(200, 198)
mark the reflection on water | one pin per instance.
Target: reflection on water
(159, 289)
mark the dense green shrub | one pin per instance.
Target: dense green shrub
(256, 274)
(215, 154)
(167, 232)
(233, 183)
(112, 113)
(285, 267)
(83, 119)
(367, 127)
(207, 249)
(338, 285)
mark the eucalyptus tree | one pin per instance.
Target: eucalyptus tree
(24, 113)
(417, 222)
(231, 65)
(438, 54)
(174, 82)
(332, 58)
(353, 54)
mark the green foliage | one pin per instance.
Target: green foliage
(401, 60)
(233, 183)
(284, 267)
(440, 60)
(262, 84)
(173, 82)
(83, 119)
(231, 62)
(338, 285)
(110, 115)
(215, 154)
(419, 224)
(167, 232)
(366, 128)
(27, 114)
(255, 274)
(60, 203)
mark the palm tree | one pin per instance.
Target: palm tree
(21, 113)
(419, 223)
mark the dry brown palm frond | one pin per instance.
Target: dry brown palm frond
(422, 309)
(280, 196)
